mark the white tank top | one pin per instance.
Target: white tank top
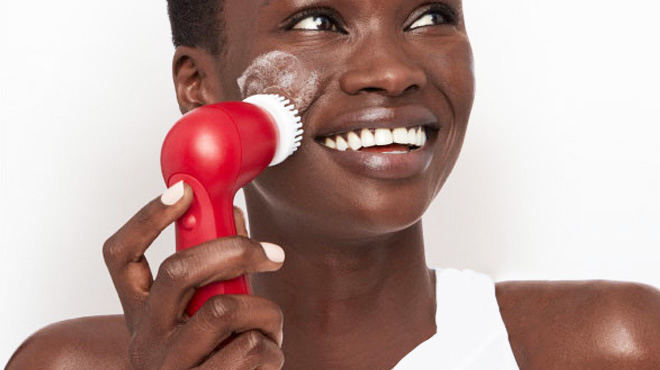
(471, 334)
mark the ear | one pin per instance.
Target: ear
(195, 78)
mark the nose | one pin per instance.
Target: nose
(383, 67)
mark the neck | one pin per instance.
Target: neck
(348, 303)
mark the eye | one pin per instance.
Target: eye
(317, 23)
(314, 20)
(436, 15)
(429, 19)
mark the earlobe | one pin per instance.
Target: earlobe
(195, 82)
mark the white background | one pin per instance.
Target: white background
(558, 179)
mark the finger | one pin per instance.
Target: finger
(250, 350)
(218, 260)
(223, 316)
(124, 251)
(239, 218)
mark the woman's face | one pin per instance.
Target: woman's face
(378, 64)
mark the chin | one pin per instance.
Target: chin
(384, 211)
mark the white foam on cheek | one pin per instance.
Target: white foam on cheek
(278, 72)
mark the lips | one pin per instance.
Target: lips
(371, 142)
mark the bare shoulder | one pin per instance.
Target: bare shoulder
(582, 324)
(98, 342)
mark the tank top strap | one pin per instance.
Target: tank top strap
(470, 332)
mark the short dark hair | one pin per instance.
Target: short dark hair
(197, 23)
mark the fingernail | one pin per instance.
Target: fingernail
(274, 252)
(172, 195)
(240, 211)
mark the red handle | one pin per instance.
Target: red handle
(206, 221)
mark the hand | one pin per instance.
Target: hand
(229, 331)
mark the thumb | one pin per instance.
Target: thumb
(239, 219)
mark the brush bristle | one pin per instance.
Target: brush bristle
(288, 120)
(292, 109)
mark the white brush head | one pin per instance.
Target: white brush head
(287, 120)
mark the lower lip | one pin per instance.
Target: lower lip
(384, 166)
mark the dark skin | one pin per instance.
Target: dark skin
(354, 248)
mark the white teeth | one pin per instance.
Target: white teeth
(383, 136)
(400, 135)
(415, 136)
(354, 141)
(412, 137)
(368, 139)
(341, 143)
(330, 143)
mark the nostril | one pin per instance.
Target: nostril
(411, 89)
(371, 89)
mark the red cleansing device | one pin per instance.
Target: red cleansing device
(217, 149)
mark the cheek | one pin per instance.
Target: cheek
(279, 72)
(453, 72)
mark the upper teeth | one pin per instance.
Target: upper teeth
(415, 136)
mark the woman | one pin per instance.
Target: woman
(355, 291)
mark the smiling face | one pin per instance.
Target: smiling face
(380, 65)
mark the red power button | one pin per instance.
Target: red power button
(189, 222)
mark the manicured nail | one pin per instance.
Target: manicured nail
(274, 252)
(172, 195)
(240, 211)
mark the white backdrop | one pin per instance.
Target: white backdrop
(558, 179)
